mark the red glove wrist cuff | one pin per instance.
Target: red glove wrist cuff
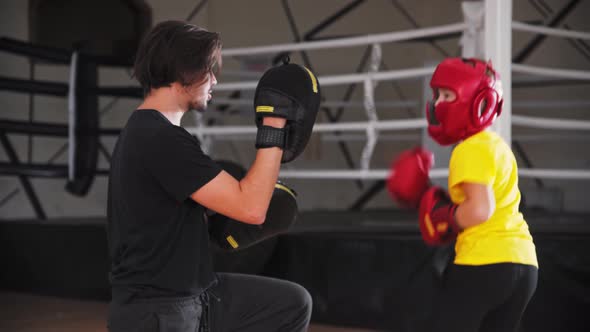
(438, 224)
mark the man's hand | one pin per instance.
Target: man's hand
(274, 122)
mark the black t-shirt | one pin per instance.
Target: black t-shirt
(158, 239)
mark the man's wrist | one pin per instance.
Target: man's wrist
(269, 137)
(272, 121)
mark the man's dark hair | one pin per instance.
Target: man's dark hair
(175, 51)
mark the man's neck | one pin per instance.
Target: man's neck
(165, 101)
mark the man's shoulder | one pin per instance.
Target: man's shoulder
(148, 124)
(148, 117)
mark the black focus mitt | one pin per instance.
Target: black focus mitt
(292, 92)
(229, 234)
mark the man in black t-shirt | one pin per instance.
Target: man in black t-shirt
(160, 184)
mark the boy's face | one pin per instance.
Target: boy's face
(444, 94)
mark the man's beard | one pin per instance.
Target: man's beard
(198, 106)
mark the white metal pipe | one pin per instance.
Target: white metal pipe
(498, 49)
(72, 139)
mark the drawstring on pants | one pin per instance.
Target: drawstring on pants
(206, 315)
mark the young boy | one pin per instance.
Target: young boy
(494, 273)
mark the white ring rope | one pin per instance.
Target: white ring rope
(380, 174)
(349, 42)
(317, 128)
(548, 123)
(332, 103)
(415, 138)
(540, 103)
(551, 72)
(519, 26)
(412, 73)
(342, 79)
(571, 174)
(382, 125)
(394, 104)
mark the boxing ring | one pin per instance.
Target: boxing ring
(373, 128)
(83, 133)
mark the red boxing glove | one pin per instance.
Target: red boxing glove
(437, 217)
(408, 179)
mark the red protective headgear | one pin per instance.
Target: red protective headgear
(478, 102)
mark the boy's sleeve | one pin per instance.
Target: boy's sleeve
(474, 163)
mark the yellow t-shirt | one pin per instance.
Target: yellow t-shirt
(485, 158)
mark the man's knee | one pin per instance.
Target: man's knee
(300, 300)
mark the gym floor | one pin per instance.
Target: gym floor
(21, 312)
